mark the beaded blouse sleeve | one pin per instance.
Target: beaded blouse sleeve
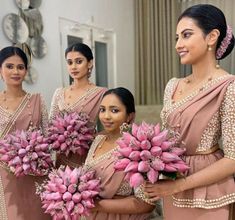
(139, 193)
(227, 114)
(54, 110)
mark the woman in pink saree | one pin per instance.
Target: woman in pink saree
(118, 201)
(81, 96)
(200, 109)
(18, 110)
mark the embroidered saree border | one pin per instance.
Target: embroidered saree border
(205, 204)
(80, 99)
(15, 115)
(3, 210)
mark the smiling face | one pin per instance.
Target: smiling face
(13, 71)
(112, 114)
(78, 65)
(191, 42)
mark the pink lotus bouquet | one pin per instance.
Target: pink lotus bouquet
(26, 153)
(71, 132)
(146, 152)
(69, 194)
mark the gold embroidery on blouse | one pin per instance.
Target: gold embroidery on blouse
(3, 210)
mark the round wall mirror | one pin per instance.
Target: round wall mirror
(35, 3)
(33, 19)
(38, 46)
(23, 4)
(31, 76)
(15, 28)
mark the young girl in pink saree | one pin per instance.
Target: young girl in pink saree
(118, 201)
(81, 96)
(19, 110)
(200, 109)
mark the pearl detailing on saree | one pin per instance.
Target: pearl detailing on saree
(205, 204)
(212, 133)
(221, 126)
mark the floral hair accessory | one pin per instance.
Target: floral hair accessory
(224, 44)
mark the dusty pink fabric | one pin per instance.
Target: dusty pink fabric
(110, 183)
(190, 120)
(19, 193)
(90, 105)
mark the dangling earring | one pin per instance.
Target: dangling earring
(89, 73)
(209, 48)
(217, 66)
(125, 127)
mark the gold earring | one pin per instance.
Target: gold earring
(217, 66)
(125, 127)
(209, 48)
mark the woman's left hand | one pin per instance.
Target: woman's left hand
(97, 206)
(163, 188)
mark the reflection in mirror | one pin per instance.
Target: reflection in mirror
(38, 46)
(15, 28)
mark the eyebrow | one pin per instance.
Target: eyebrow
(14, 64)
(77, 58)
(112, 106)
(187, 29)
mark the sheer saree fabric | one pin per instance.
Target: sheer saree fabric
(17, 195)
(201, 120)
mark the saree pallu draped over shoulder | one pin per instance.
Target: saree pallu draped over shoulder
(17, 195)
(199, 117)
(112, 183)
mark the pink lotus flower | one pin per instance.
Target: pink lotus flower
(26, 153)
(146, 152)
(71, 132)
(68, 194)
